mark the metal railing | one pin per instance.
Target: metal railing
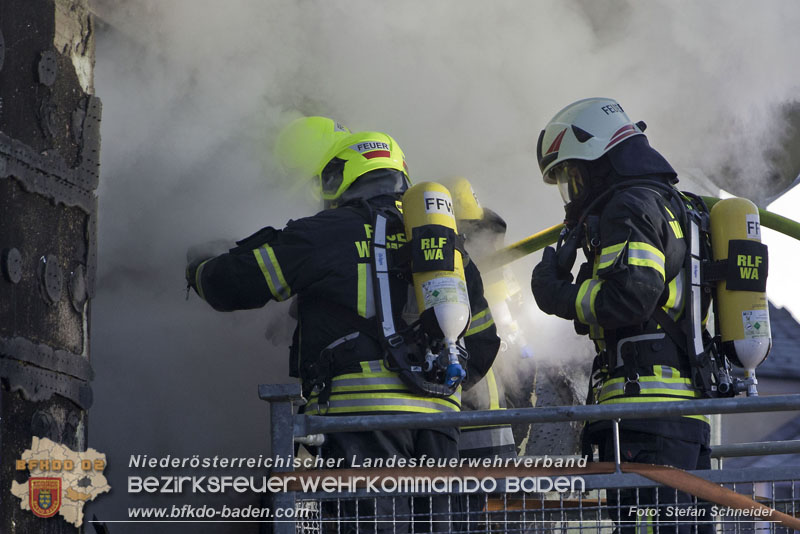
(589, 510)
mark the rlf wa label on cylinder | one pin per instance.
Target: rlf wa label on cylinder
(444, 289)
(755, 323)
(436, 202)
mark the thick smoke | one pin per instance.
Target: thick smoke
(194, 92)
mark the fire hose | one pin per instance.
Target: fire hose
(548, 236)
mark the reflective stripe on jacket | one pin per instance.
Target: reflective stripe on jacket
(486, 441)
(637, 266)
(376, 389)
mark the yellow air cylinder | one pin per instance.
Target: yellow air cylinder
(465, 201)
(437, 267)
(742, 311)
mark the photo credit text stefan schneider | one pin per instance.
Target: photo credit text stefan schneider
(193, 476)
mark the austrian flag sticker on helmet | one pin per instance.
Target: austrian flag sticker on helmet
(624, 132)
(372, 149)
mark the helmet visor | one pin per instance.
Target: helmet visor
(568, 177)
(331, 177)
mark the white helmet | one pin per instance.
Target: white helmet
(584, 130)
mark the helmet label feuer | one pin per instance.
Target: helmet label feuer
(612, 108)
(367, 146)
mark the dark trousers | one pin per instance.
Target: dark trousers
(391, 513)
(674, 513)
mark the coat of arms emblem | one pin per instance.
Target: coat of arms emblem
(44, 496)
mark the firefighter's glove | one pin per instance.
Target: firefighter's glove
(454, 375)
(191, 272)
(567, 253)
(553, 291)
(198, 254)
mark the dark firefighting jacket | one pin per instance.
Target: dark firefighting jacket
(636, 265)
(325, 261)
(484, 236)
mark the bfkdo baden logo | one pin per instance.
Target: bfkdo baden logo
(61, 480)
(44, 496)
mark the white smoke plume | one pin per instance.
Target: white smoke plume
(195, 90)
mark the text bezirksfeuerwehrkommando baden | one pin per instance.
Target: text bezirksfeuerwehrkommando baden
(333, 483)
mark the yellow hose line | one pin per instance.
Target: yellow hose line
(549, 236)
(770, 220)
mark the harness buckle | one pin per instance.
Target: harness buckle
(322, 408)
(395, 340)
(632, 386)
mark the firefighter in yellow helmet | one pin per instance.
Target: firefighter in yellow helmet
(326, 260)
(301, 144)
(634, 296)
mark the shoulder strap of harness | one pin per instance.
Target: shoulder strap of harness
(398, 350)
(401, 346)
(695, 220)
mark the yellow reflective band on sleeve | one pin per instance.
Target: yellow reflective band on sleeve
(584, 303)
(266, 259)
(673, 293)
(676, 229)
(197, 281)
(675, 300)
(480, 322)
(674, 224)
(596, 334)
(609, 255)
(494, 395)
(361, 305)
(646, 255)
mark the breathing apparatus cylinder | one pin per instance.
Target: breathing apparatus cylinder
(437, 268)
(741, 301)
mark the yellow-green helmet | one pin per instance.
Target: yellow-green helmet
(302, 143)
(354, 155)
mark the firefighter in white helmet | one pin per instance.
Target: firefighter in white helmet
(622, 209)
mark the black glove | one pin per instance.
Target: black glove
(197, 254)
(554, 292)
(191, 272)
(567, 252)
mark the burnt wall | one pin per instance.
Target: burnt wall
(49, 169)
